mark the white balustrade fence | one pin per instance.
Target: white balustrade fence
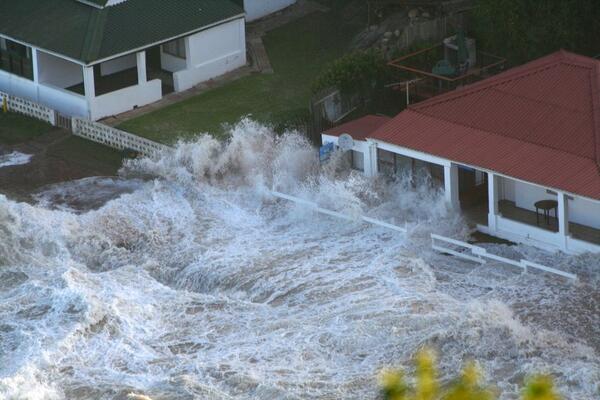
(481, 255)
(116, 138)
(439, 243)
(29, 108)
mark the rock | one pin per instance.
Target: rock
(388, 35)
(414, 13)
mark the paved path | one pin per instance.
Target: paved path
(259, 57)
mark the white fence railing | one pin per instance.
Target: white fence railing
(480, 255)
(439, 243)
(29, 108)
(315, 207)
(116, 138)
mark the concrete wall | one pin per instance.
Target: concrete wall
(118, 64)
(211, 53)
(66, 102)
(584, 212)
(259, 8)
(18, 86)
(57, 71)
(171, 63)
(125, 99)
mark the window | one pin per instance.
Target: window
(16, 59)
(176, 48)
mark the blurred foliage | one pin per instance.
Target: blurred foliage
(358, 72)
(468, 386)
(523, 30)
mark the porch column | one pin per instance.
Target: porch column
(493, 182)
(188, 53)
(34, 64)
(141, 67)
(451, 185)
(370, 159)
(88, 82)
(563, 218)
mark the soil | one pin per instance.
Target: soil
(58, 157)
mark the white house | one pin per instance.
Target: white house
(504, 149)
(96, 58)
(256, 9)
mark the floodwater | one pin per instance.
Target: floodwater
(184, 279)
(14, 158)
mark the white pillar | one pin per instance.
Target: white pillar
(493, 183)
(563, 218)
(88, 82)
(89, 89)
(34, 63)
(451, 185)
(370, 159)
(188, 53)
(141, 67)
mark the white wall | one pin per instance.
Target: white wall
(212, 52)
(58, 72)
(171, 63)
(118, 64)
(259, 8)
(125, 99)
(63, 101)
(18, 86)
(526, 195)
(584, 212)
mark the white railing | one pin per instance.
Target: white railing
(481, 255)
(29, 108)
(477, 254)
(315, 207)
(115, 138)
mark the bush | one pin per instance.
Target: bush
(467, 386)
(358, 72)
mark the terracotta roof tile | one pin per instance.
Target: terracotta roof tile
(539, 122)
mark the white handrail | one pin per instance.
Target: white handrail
(479, 254)
(337, 214)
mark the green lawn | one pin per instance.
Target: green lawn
(298, 52)
(16, 128)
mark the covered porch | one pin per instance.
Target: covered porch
(500, 206)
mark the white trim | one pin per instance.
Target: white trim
(43, 49)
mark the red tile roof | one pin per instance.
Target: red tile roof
(539, 122)
(360, 128)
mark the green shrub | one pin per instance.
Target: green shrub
(358, 72)
(468, 386)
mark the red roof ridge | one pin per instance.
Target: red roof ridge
(530, 68)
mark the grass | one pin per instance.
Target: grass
(298, 52)
(87, 154)
(17, 129)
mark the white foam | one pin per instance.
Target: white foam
(196, 283)
(14, 158)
